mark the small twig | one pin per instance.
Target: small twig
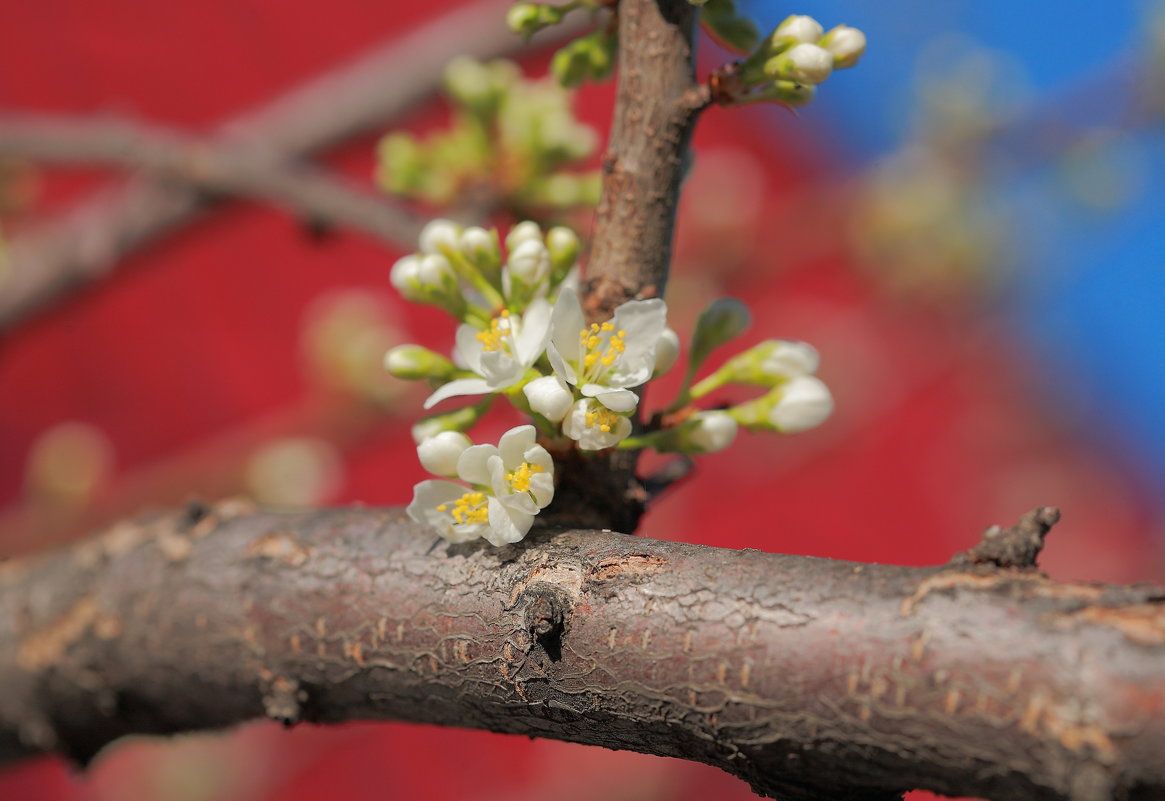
(310, 192)
(1016, 547)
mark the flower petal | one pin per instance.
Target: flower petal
(427, 496)
(617, 400)
(534, 332)
(460, 386)
(513, 445)
(506, 525)
(644, 321)
(473, 464)
(542, 486)
(468, 349)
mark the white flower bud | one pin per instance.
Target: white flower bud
(667, 350)
(405, 274)
(523, 231)
(563, 244)
(439, 454)
(789, 359)
(799, 28)
(804, 63)
(713, 431)
(549, 397)
(434, 271)
(846, 44)
(530, 261)
(474, 241)
(415, 363)
(805, 403)
(439, 233)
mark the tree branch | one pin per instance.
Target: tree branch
(86, 244)
(208, 169)
(656, 107)
(808, 678)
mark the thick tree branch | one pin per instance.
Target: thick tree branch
(365, 95)
(314, 194)
(808, 678)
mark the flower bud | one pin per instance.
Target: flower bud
(468, 82)
(805, 402)
(415, 363)
(722, 320)
(439, 453)
(804, 63)
(845, 44)
(522, 232)
(710, 432)
(457, 420)
(438, 234)
(434, 272)
(799, 28)
(563, 245)
(405, 276)
(526, 19)
(667, 350)
(549, 397)
(530, 262)
(480, 247)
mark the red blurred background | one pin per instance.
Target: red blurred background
(208, 366)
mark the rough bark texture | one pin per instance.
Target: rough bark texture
(656, 108)
(808, 678)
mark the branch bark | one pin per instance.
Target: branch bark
(314, 194)
(808, 678)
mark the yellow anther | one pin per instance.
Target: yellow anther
(495, 338)
(469, 508)
(602, 419)
(519, 480)
(607, 327)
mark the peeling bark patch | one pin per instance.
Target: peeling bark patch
(280, 546)
(44, 647)
(631, 566)
(1143, 624)
(1030, 585)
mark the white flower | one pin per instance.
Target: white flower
(667, 350)
(438, 233)
(549, 396)
(530, 262)
(787, 359)
(525, 231)
(594, 426)
(713, 431)
(799, 28)
(846, 44)
(803, 63)
(512, 483)
(425, 278)
(805, 403)
(499, 355)
(439, 454)
(603, 360)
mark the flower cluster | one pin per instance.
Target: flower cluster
(798, 56)
(523, 335)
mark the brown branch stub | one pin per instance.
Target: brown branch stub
(1017, 547)
(801, 676)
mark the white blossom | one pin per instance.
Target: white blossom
(499, 355)
(549, 396)
(439, 454)
(846, 44)
(604, 359)
(530, 262)
(799, 28)
(511, 483)
(712, 431)
(438, 233)
(525, 231)
(805, 403)
(594, 426)
(803, 63)
(788, 359)
(667, 350)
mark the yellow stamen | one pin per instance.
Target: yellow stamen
(602, 419)
(469, 508)
(495, 338)
(520, 478)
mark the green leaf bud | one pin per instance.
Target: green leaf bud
(722, 320)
